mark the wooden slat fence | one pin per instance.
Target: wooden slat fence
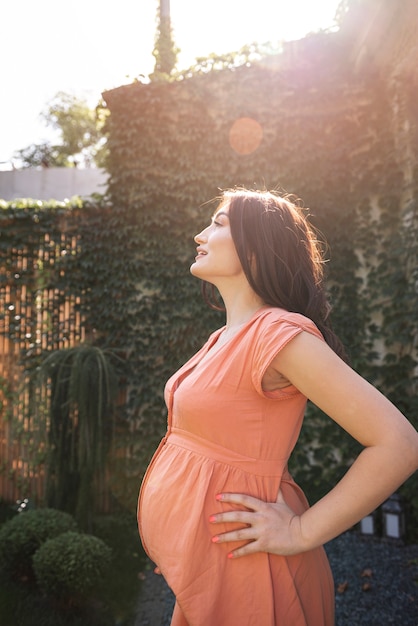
(38, 312)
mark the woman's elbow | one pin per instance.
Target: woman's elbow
(409, 451)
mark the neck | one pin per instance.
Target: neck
(240, 305)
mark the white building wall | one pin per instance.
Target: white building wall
(52, 183)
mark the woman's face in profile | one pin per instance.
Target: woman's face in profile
(217, 257)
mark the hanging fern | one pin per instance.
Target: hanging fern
(82, 385)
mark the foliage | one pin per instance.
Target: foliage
(334, 148)
(21, 536)
(86, 579)
(343, 8)
(120, 532)
(84, 385)
(245, 56)
(25, 606)
(332, 136)
(42, 154)
(81, 132)
(165, 50)
(6, 511)
(71, 566)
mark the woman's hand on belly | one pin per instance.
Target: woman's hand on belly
(270, 526)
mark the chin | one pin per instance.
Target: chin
(194, 270)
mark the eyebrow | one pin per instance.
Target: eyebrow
(220, 213)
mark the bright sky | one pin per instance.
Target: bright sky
(88, 46)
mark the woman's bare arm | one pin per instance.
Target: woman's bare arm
(389, 457)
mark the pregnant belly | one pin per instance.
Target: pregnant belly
(177, 498)
(178, 495)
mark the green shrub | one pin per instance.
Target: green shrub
(21, 605)
(6, 511)
(21, 536)
(72, 565)
(120, 532)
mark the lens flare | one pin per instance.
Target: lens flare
(245, 135)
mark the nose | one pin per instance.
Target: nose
(200, 237)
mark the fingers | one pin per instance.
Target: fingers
(263, 526)
(240, 517)
(252, 507)
(246, 534)
(242, 534)
(247, 518)
(254, 504)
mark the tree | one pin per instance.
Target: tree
(44, 154)
(81, 129)
(165, 50)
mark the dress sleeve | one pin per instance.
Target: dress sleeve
(275, 334)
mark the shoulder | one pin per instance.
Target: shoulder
(275, 320)
(272, 330)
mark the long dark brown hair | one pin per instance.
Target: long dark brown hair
(281, 255)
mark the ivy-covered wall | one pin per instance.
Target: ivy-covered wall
(314, 121)
(328, 120)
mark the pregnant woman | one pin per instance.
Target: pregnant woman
(218, 512)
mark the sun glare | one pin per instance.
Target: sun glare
(245, 135)
(115, 47)
(220, 26)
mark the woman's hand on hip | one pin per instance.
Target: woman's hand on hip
(269, 526)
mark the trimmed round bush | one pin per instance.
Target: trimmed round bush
(21, 536)
(71, 565)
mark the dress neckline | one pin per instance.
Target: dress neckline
(202, 356)
(217, 334)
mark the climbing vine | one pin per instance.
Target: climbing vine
(327, 135)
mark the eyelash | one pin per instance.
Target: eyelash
(217, 223)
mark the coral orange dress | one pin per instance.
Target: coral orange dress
(225, 434)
